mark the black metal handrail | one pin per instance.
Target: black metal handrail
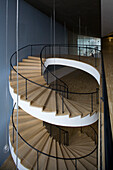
(38, 151)
(63, 91)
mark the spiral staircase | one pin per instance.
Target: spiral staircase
(38, 148)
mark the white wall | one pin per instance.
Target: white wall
(34, 27)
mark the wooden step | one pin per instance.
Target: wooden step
(31, 61)
(36, 94)
(71, 155)
(43, 99)
(82, 110)
(51, 104)
(72, 110)
(90, 159)
(22, 81)
(25, 149)
(27, 68)
(84, 162)
(60, 162)
(32, 156)
(29, 64)
(34, 58)
(28, 71)
(52, 162)
(43, 159)
(27, 134)
(69, 163)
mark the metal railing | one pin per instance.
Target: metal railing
(48, 155)
(58, 85)
(61, 135)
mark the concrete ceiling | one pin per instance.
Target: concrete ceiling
(75, 13)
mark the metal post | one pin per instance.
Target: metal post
(50, 130)
(95, 59)
(75, 164)
(62, 103)
(26, 89)
(56, 83)
(31, 50)
(97, 95)
(67, 138)
(59, 136)
(92, 102)
(86, 50)
(67, 93)
(37, 161)
(13, 134)
(47, 77)
(64, 138)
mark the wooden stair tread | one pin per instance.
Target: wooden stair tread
(43, 159)
(32, 156)
(25, 149)
(70, 154)
(73, 111)
(41, 101)
(69, 163)
(61, 163)
(51, 105)
(52, 162)
(84, 162)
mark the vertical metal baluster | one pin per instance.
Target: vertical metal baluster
(86, 50)
(64, 138)
(50, 130)
(37, 162)
(47, 77)
(26, 89)
(97, 95)
(91, 102)
(95, 59)
(67, 138)
(62, 103)
(67, 92)
(59, 136)
(75, 164)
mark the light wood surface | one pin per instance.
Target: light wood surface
(37, 135)
(77, 105)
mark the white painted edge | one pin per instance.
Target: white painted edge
(75, 64)
(20, 166)
(51, 117)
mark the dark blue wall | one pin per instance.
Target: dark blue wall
(34, 27)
